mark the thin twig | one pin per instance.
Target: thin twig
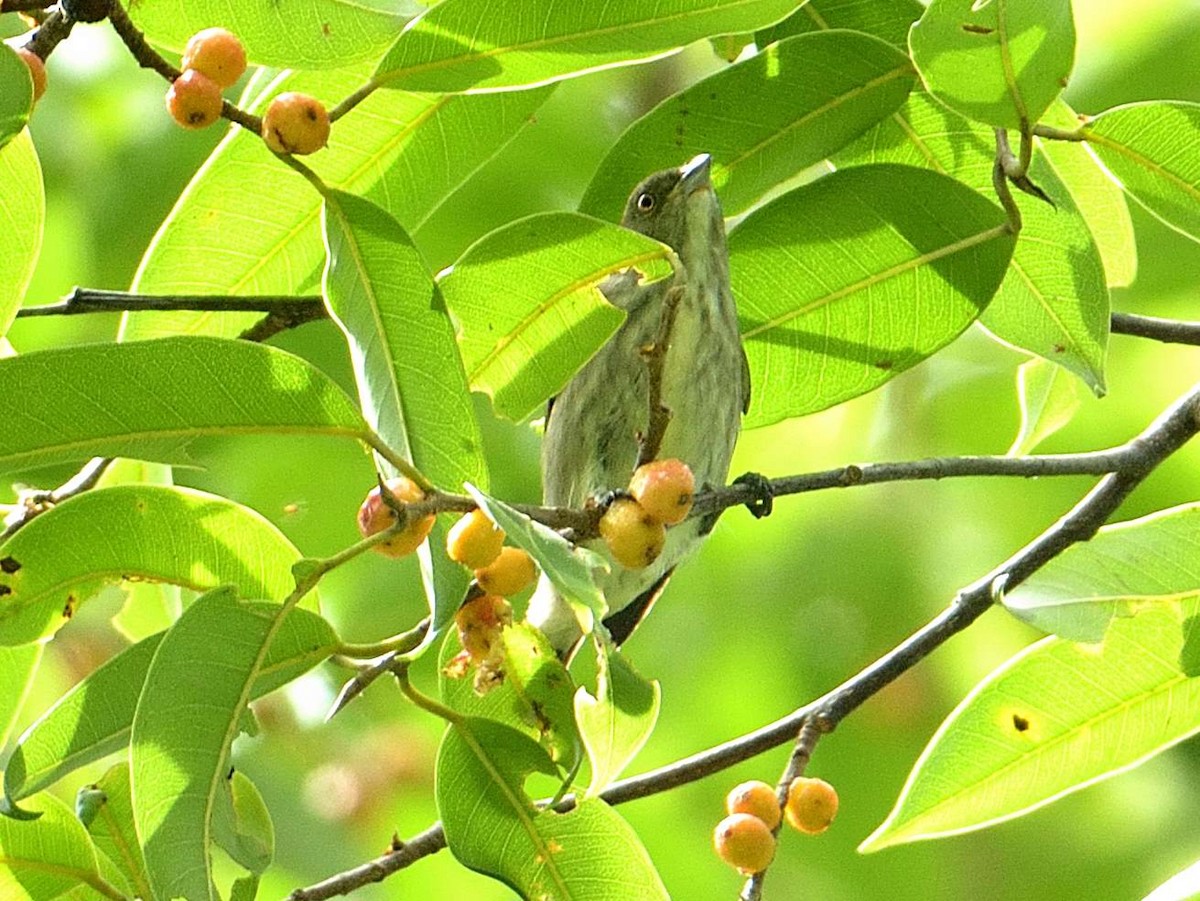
(54, 30)
(1169, 331)
(82, 301)
(34, 503)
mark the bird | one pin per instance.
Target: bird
(596, 423)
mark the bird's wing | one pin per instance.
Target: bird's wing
(745, 380)
(621, 624)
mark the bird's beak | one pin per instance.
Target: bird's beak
(693, 175)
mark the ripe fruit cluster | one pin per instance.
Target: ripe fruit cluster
(745, 839)
(478, 544)
(660, 494)
(213, 60)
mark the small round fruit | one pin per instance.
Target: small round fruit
(811, 805)
(37, 69)
(295, 123)
(194, 100)
(474, 541)
(665, 489)
(218, 54)
(375, 515)
(634, 537)
(757, 799)
(745, 842)
(512, 571)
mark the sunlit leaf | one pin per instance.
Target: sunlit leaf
(23, 215)
(16, 94)
(617, 722)
(845, 282)
(112, 829)
(18, 666)
(1048, 398)
(1056, 718)
(46, 857)
(526, 302)
(885, 19)
(242, 825)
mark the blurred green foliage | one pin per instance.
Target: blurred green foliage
(773, 612)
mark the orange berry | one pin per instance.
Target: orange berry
(513, 570)
(194, 100)
(745, 842)
(218, 54)
(811, 805)
(474, 541)
(295, 123)
(480, 623)
(665, 489)
(37, 69)
(757, 799)
(634, 537)
(375, 515)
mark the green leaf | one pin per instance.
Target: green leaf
(1048, 398)
(1126, 566)
(845, 282)
(315, 34)
(1001, 63)
(411, 383)
(23, 210)
(617, 722)
(463, 45)
(43, 858)
(888, 20)
(1151, 149)
(1056, 718)
(763, 120)
(405, 152)
(18, 666)
(195, 694)
(526, 302)
(93, 719)
(16, 94)
(150, 399)
(174, 535)
(572, 569)
(1183, 886)
(112, 829)
(1053, 301)
(493, 826)
(242, 825)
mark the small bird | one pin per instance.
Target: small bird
(594, 426)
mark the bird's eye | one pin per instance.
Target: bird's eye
(645, 202)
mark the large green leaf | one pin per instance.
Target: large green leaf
(847, 281)
(18, 666)
(93, 719)
(1126, 566)
(43, 858)
(406, 152)
(151, 399)
(493, 826)
(1053, 301)
(763, 120)
(299, 34)
(1001, 63)
(22, 219)
(1152, 149)
(885, 19)
(616, 722)
(1048, 397)
(1056, 718)
(111, 826)
(527, 307)
(174, 535)
(411, 382)
(16, 94)
(192, 703)
(479, 44)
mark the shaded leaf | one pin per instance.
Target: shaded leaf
(888, 20)
(46, 857)
(16, 94)
(23, 214)
(1048, 398)
(617, 722)
(112, 829)
(18, 666)
(845, 282)
(763, 120)
(242, 825)
(526, 302)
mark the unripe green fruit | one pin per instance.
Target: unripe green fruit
(665, 489)
(512, 571)
(757, 799)
(218, 54)
(295, 123)
(811, 805)
(375, 515)
(634, 537)
(745, 842)
(194, 100)
(474, 541)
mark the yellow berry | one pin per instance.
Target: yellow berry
(218, 54)
(757, 799)
(194, 100)
(745, 842)
(665, 489)
(634, 537)
(295, 123)
(811, 805)
(37, 70)
(474, 541)
(512, 571)
(375, 515)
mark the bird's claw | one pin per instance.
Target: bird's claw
(764, 500)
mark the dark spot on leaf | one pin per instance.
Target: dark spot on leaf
(229, 775)
(712, 95)
(969, 28)
(9, 565)
(325, 29)
(683, 111)
(4, 589)
(69, 609)
(1020, 723)
(1058, 349)
(885, 365)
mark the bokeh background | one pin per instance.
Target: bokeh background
(769, 616)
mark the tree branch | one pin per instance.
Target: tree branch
(1135, 460)
(1169, 331)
